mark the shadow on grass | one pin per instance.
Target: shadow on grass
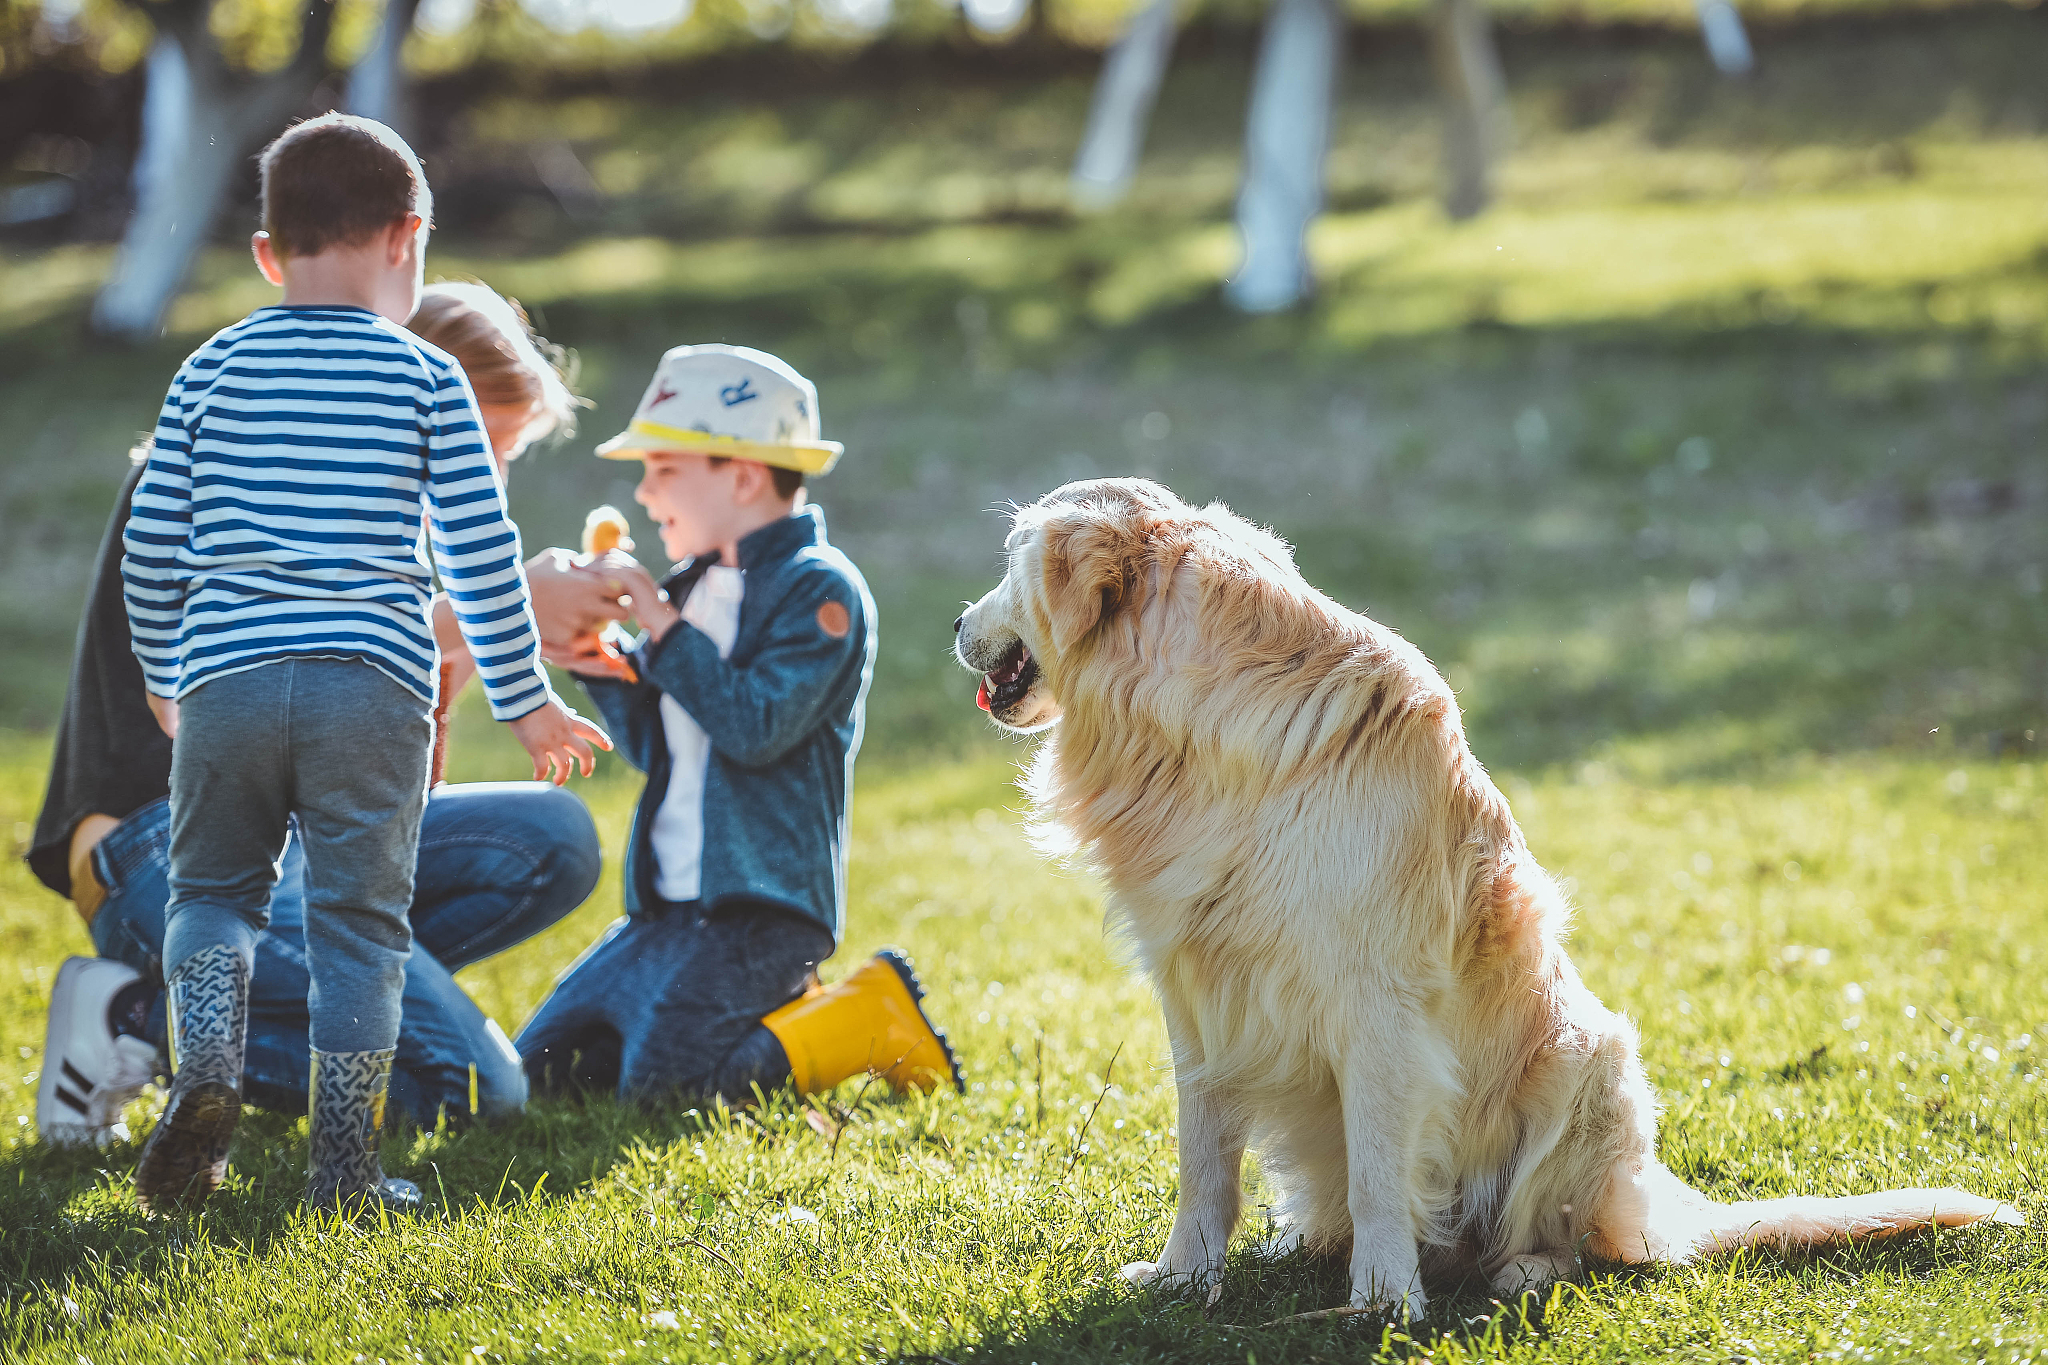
(66, 1212)
(1272, 1309)
(1276, 1309)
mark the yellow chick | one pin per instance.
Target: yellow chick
(606, 528)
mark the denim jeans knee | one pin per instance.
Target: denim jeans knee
(133, 863)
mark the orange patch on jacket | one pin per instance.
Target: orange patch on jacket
(834, 620)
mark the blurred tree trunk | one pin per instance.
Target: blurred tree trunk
(166, 119)
(376, 84)
(190, 151)
(1287, 132)
(1122, 107)
(1727, 40)
(1474, 102)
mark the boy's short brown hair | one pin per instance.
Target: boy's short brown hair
(788, 482)
(338, 180)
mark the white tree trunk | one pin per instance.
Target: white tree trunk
(1122, 108)
(376, 84)
(180, 174)
(1727, 40)
(166, 118)
(1474, 101)
(1287, 133)
(197, 125)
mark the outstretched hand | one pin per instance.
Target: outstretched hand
(559, 741)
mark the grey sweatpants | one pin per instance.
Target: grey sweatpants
(343, 748)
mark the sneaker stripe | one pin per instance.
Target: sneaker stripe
(72, 1100)
(71, 1074)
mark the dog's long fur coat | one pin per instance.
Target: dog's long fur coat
(1360, 964)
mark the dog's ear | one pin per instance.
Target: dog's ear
(1092, 556)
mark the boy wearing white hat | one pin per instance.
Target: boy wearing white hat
(752, 674)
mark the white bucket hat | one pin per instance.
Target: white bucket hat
(728, 400)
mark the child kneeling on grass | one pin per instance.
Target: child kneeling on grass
(752, 684)
(276, 592)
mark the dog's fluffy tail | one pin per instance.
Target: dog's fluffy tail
(1664, 1219)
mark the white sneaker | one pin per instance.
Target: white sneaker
(90, 1073)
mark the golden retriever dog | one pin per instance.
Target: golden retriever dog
(1361, 967)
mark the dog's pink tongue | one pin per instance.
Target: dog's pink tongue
(981, 696)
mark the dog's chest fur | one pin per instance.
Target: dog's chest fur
(1264, 910)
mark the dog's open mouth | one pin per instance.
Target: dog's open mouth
(1005, 684)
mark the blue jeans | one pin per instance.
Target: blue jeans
(333, 753)
(669, 1002)
(498, 863)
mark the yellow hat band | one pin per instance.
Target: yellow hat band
(812, 457)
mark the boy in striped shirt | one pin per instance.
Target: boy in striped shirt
(276, 582)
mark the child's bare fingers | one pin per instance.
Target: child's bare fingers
(586, 730)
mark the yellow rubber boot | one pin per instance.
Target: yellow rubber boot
(871, 1021)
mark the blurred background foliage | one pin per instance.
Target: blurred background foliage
(605, 35)
(1718, 437)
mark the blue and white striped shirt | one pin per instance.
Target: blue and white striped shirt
(297, 457)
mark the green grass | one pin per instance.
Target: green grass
(1838, 972)
(1707, 466)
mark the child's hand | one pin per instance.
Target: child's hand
(166, 712)
(650, 606)
(590, 655)
(570, 599)
(556, 736)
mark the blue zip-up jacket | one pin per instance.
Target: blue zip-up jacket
(783, 713)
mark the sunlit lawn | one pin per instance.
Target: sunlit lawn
(1837, 968)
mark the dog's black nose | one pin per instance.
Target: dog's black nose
(958, 622)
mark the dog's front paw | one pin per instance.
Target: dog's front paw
(1140, 1273)
(1392, 1289)
(1386, 1275)
(1402, 1305)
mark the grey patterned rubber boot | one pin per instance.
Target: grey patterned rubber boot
(346, 1106)
(186, 1156)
